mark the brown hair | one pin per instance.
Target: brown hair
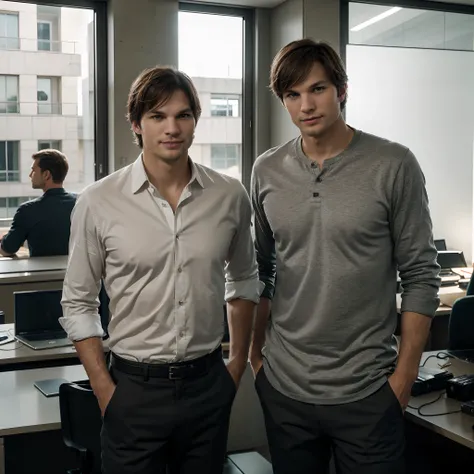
(53, 161)
(153, 87)
(294, 61)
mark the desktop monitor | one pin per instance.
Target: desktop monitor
(440, 244)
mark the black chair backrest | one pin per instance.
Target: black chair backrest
(81, 422)
(461, 324)
(470, 287)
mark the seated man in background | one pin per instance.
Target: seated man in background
(43, 222)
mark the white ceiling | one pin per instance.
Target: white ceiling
(274, 3)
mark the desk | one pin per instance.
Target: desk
(16, 356)
(440, 443)
(30, 422)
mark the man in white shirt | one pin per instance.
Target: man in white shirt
(171, 239)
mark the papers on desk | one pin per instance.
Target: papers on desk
(5, 337)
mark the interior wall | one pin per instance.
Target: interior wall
(286, 24)
(142, 34)
(429, 109)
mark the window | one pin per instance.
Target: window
(8, 207)
(44, 144)
(224, 106)
(9, 95)
(9, 31)
(221, 72)
(225, 158)
(44, 29)
(9, 161)
(48, 95)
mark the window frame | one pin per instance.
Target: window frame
(47, 41)
(246, 106)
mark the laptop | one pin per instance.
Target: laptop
(448, 260)
(37, 316)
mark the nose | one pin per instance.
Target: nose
(307, 103)
(172, 127)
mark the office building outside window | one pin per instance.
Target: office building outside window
(9, 38)
(224, 106)
(44, 144)
(9, 95)
(216, 70)
(225, 157)
(47, 78)
(9, 161)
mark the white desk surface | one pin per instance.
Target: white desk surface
(22, 269)
(24, 409)
(456, 426)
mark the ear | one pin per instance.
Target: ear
(342, 93)
(136, 128)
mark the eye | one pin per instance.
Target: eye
(291, 95)
(319, 89)
(156, 117)
(186, 115)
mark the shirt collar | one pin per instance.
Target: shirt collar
(140, 178)
(53, 191)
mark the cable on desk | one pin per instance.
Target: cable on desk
(418, 409)
(439, 355)
(9, 331)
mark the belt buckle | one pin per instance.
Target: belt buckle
(173, 372)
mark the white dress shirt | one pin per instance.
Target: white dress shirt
(167, 273)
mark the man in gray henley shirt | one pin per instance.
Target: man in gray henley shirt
(337, 212)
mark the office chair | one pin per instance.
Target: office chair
(81, 423)
(470, 287)
(461, 324)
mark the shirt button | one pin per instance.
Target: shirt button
(180, 269)
(181, 334)
(313, 164)
(177, 236)
(315, 195)
(163, 204)
(181, 302)
(319, 179)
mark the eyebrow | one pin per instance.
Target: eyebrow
(184, 111)
(312, 86)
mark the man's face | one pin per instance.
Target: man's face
(38, 177)
(168, 131)
(314, 104)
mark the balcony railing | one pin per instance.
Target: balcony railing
(39, 108)
(36, 44)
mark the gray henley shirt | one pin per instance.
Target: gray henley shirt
(329, 243)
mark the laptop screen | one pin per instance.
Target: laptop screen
(38, 311)
(448, 259)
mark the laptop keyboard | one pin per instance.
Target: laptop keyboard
(45, 336)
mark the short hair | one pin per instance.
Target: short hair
(153, 88)
(53, 161)
(293, 63)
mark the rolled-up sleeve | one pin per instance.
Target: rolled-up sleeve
(413, 240)
(241, 271)
(81, 288)
(17, 234)
(264, 242)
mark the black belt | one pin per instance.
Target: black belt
(172, 371)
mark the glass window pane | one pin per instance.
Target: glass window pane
(44, 36)
(216, 70)
(3, 156)
(12, 156)
(382, 25)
